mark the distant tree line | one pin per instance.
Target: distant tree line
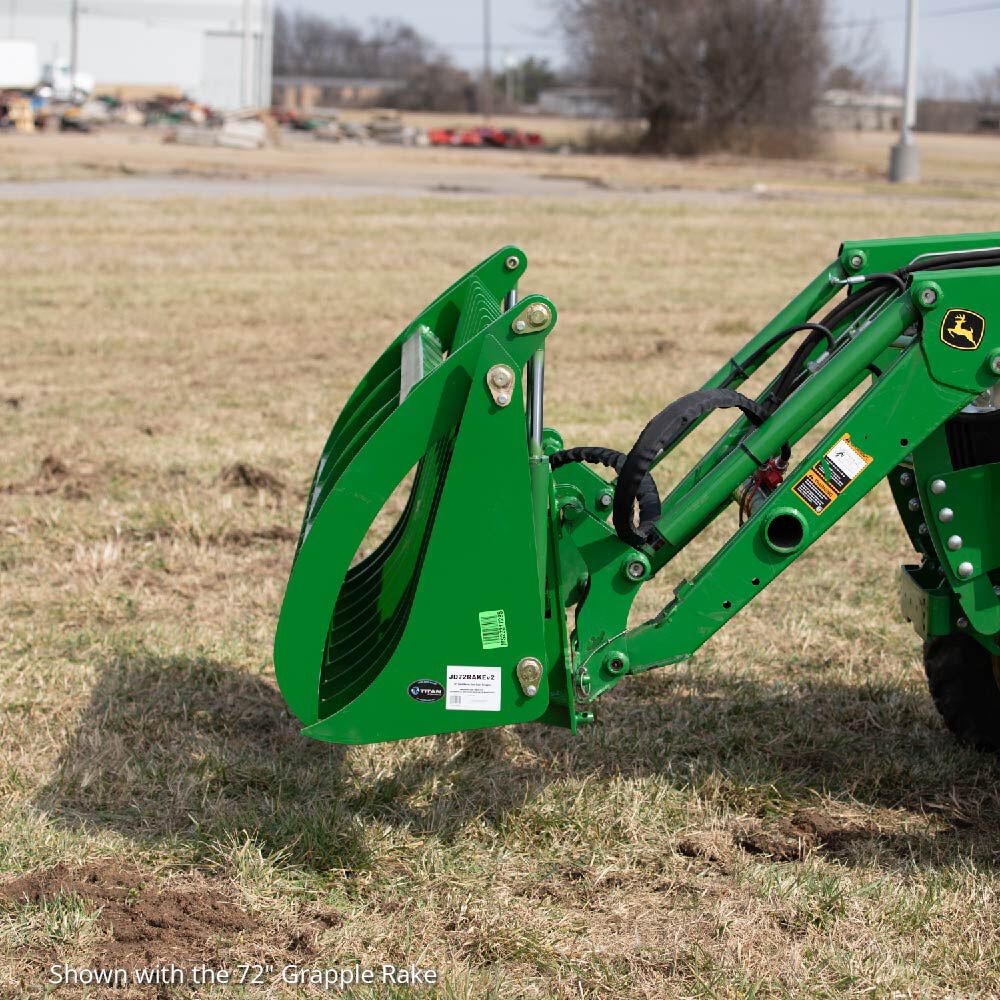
(308, 44)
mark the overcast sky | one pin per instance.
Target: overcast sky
(958, 36)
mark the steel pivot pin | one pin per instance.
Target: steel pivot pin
(529, 675)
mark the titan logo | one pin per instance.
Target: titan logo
(962, 329)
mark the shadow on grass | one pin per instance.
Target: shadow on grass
(189, 747)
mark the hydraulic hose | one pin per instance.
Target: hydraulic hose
(647, 495)
(658, 435)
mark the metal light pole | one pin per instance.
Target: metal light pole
(74, 39)
(487, 64)
(904, 160)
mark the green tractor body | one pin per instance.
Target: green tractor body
(459, 568)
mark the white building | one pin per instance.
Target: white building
(217, 52)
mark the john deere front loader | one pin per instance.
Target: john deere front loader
(501, 592)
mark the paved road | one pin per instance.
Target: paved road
(422, 184)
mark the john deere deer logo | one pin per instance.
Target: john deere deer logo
(962, 329)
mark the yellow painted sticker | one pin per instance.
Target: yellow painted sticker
(831, 475)
(962, 329)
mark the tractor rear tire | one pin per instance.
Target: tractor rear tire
(964, 680)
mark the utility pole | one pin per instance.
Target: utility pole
(904, 160)
(487, 64)
(246, 58)
(74, 39)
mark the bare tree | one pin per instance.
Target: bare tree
(859, 61)
(704, 74)
(984, 87)
(310, 45)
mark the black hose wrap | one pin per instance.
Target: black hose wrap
(647, 495)
(658, 435)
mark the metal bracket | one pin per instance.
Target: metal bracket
(500, 382)
(533, 319)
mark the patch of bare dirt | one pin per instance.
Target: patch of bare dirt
(706, 845)
(237, 537)
(794, 837)
(244, 476)
(54, 476)
(145, 925)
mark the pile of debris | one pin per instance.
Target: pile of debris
(240, 130)
(494, 138)
(388, 128)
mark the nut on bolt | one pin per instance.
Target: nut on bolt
(994, 362)
(616, 662)
(635, 567)
(512, 262)
(927, 294)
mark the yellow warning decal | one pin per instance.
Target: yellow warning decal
(831, 475)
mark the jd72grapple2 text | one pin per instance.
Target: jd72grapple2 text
(502, 592)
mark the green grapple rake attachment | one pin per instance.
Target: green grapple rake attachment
(459, 568)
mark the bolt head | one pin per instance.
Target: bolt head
(502, 399)
(913, 503)
(539, 315)
(512, 262)
(922, 528)
(531, 690)
(856, 260)
(965, 570)
(955, 543)
(994, 362)
(520, 326)
(636, 570)
(500, 377)
(945, 515)
(962, 623)
(928, 296)
(938, 486)
(604, 501)
(905, 479)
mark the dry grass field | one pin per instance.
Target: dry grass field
(784, 816)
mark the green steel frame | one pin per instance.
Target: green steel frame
(458, 617)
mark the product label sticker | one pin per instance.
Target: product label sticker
(493, 629)
(473, 689)
(831, 475)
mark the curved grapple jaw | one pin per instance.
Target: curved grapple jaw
(446, 624)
